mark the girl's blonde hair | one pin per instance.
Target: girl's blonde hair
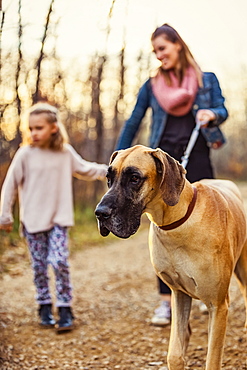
(52, 116)
(186, 57)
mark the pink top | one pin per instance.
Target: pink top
(44, 181)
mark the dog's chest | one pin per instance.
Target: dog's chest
(172, 263)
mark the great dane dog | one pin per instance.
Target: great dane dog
(197, 238)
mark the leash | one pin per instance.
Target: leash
(184, 163)
(192, 142)
(177, 223)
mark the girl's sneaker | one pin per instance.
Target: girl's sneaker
(162, 314)
(65, 322)
(45, 314)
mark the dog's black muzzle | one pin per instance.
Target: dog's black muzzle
(103, 213)
(118, 215)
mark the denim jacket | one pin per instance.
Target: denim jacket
(208, 97)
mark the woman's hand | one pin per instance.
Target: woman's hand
(204, 116)
(7, 227)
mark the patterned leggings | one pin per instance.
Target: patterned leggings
(50, 247)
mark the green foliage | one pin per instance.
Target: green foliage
(10, 239)
(85, 233)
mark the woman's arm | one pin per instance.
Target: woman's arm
(217, 112)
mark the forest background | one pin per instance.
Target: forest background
(90, 60)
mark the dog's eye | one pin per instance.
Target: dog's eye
(109, 182)
(134, 179)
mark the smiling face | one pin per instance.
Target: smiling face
(41, 130)
(167, 52)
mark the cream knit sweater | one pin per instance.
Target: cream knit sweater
(43, 179)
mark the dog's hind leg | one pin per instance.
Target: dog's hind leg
(180, 330)
(241, 274)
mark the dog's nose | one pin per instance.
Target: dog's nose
(103, 212)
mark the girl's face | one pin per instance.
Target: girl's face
(167, 52)
(41, 130)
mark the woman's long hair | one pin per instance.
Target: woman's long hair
(186, 57)
(59, 138)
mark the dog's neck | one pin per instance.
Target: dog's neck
(161, 214)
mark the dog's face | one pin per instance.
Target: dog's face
(135, 177)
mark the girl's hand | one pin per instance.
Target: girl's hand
(205, 115)
(7, 227)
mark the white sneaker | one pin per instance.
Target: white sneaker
(162, 314)
(203, 308)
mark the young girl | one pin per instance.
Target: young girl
(42, 173)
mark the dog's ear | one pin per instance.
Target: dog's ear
(172, 176)
(113, 156)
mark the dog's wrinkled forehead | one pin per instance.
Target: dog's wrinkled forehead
(135, 157)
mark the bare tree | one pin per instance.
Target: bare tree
(37, 95)
(17, 76)
(118, 112)
(96, 78)
(1, 32)
(96, 112)
(17, 101)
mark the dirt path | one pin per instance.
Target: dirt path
(115, 295)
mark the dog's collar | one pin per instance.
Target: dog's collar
(177, 223)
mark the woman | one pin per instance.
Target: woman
(179, 95)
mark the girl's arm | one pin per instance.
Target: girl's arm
(13, 179)
(87, 170)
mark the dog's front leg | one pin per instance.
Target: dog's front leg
(217, 330)
(180, 330)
